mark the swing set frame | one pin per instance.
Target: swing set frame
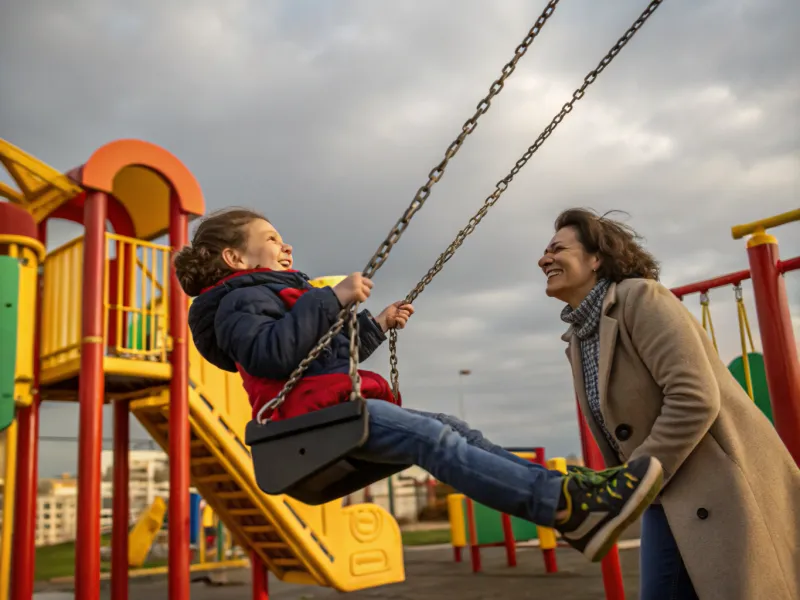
(779, 347)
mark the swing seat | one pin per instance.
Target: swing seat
(308, 457)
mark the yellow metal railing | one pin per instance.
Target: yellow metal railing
(61, 305)
(138, 304)
(134, 299)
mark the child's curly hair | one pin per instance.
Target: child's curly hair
(201, 265)
(617, 244)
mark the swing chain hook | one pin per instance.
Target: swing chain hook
(737, 292)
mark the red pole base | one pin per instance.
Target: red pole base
(508, 541)
(260, 578)
(550, 562)
(593, 458)
(612, 576)
(121, 502)
(24, 557)
(474, 548)
(457, 553)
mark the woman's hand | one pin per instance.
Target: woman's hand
(395, 316)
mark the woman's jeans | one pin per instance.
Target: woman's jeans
(461, 457)
(663, 575)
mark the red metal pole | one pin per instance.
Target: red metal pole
(474, 548)
(121, 510)
(260, 578)
(179, 557)
(23, 543)
(777, 339)
(593, 458)
(508, 540)
(457, 553)
(91, 390)
(25, 502)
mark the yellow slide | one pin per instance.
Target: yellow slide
(143, 534)
(345, 548)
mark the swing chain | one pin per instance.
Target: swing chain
(355, 377)
(503, 184)
(382, 254)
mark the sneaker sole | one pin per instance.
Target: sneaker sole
(606, 537)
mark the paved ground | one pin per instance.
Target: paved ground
(431, 574)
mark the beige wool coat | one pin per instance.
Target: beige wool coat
(732, 490)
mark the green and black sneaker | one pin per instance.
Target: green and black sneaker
(601, 504)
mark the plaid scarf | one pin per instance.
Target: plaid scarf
(586, 321)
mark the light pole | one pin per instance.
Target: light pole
(461, 374)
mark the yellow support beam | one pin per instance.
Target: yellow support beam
(10, 484)
(739, 231)
(42, 188)
(11, 194)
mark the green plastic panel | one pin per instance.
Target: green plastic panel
(489, 525)
(9, 319)
(139, 332)
(758, 376)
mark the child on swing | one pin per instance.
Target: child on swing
(253, 313)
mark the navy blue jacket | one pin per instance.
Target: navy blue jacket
(263, 323)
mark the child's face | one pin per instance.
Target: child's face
(265, 249)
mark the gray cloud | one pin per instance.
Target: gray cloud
(328, 117)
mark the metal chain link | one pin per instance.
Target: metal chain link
(503, 184)
(382, 254)
(355, 376)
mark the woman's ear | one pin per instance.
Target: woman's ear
(596, 263)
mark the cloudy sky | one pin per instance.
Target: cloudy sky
(328, 116)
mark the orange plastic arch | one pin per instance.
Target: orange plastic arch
(142, 176)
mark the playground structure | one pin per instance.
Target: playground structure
(76, 342)
(475, 526)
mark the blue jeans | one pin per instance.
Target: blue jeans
(663, 574)
(461, 457)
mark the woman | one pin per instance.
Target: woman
(727, 523)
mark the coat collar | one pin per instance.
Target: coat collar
(609, 301)
(608, 339)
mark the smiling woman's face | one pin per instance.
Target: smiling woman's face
(569, 268)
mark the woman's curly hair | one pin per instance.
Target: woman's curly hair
(201, 265)
(617, 245)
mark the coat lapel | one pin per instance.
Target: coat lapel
(574, 354)
(609, 327)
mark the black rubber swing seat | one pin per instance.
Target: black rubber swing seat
(308, 457)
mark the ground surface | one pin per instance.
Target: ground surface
(431, 574)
